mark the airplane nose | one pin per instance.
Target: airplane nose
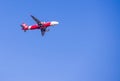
(54, 23)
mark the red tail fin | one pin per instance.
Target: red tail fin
(24, 26)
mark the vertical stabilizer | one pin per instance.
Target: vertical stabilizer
(24, 26)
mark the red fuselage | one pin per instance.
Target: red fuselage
(33, 27)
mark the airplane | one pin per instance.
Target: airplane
(40, 25)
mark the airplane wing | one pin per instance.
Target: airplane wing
(37, 21)
(43, 31)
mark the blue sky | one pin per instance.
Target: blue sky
(83, 47)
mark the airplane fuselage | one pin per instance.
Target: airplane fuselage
(35, 26)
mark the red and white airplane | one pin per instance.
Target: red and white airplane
(40, 25)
